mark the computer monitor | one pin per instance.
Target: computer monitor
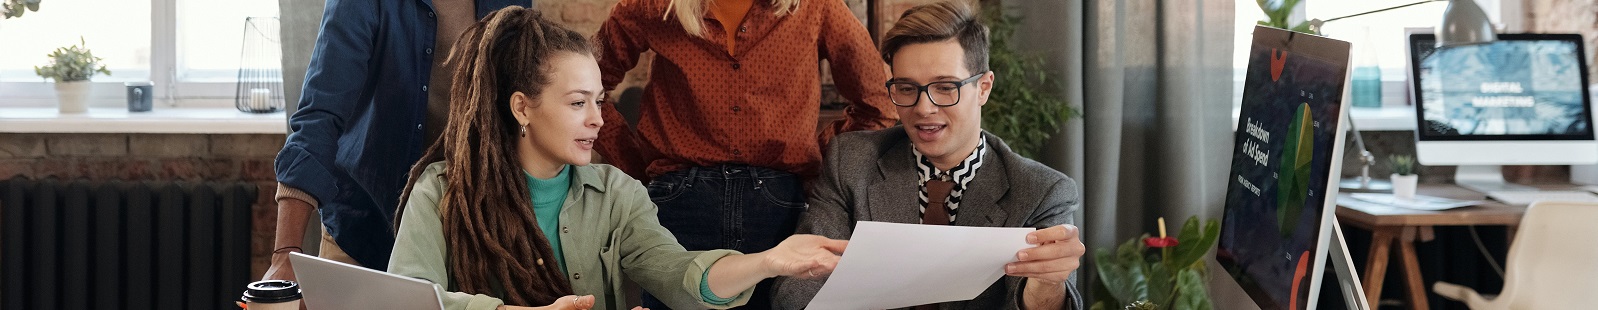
(1277, 227)
(1521, 100)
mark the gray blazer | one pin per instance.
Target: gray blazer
(871, 176)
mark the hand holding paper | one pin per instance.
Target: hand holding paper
(1057, 254)
(890, 265)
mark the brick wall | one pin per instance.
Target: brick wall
(1566, 16)
(156, 157)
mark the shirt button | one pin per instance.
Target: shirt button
(577, 276)
(736, 109)
(743, 28)
(735, 66)
(424, 87)
(418, 126)
(431, 15)
(566, 229)
(429, 51)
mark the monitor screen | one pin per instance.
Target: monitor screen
(1521, 87)
(1279, 196)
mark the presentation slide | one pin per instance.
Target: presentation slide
(1502, 88)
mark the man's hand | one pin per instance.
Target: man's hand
(292, 215)
(281, 269)
(1057, 253)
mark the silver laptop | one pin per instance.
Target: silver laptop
(327, 284)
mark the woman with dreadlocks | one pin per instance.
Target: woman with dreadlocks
(505, 209)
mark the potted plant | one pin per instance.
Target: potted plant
(71, 67)
(1404, 177)
(1026, 107)
(1172, 276)
(1277, 12)
(15, 8)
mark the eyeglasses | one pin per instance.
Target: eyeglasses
(942, 94)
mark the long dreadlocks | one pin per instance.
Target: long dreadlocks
(490, 230)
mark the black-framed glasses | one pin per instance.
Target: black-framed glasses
(942, 94)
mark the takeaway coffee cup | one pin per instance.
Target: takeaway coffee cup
(139, 96)
(272, 295)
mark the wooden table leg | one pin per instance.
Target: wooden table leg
(1417, 291)
(1382, 239)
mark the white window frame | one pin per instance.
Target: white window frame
(1507, 14)
(170, 89)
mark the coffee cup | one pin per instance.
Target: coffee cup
(272, 295)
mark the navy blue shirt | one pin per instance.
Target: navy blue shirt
(359, 125)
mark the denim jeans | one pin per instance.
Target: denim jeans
(743, 208)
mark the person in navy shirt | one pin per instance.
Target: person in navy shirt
(375, 95)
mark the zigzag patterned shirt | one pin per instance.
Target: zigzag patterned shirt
(959, 175)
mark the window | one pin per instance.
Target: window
(1379, 36)
(125, 47)
(210, 33)
(189, 48)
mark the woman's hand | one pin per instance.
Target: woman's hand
(803, 256)
(569, 302)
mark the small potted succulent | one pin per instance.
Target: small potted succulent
(1404, 177)
(71, 67)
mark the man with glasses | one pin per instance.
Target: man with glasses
(940, 168)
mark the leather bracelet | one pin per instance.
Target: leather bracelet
(281, 250)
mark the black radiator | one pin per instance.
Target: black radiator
(123, 245)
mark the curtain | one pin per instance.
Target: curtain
(1153, 79)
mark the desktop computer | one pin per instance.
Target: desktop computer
(1522, 100)
(1278, 230)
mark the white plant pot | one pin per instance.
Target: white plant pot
(1404, 185)
(72, 96)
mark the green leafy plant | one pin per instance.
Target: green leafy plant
(15, 8)
(1402, 164)
(1025, 107)
(71, 64)
(1277, 13)
(1171, 277)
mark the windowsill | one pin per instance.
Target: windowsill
(158, 120)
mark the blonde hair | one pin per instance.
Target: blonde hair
(690, 12)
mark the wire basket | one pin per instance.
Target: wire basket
(260, 87)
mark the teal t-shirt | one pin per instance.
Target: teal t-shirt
(548, 198)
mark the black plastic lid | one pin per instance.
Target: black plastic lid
(272, 291)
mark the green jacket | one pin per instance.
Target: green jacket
(608, 231)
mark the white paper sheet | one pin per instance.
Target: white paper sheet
(891, 265)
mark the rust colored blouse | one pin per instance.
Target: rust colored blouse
(757, 106)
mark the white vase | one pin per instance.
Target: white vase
(1404, 185)
(72, 96)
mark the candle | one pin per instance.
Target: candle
(259, 98)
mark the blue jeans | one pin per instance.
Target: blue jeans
(743, 208)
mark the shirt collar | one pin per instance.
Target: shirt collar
(960, 174)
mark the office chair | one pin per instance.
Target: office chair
(1552, 264)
